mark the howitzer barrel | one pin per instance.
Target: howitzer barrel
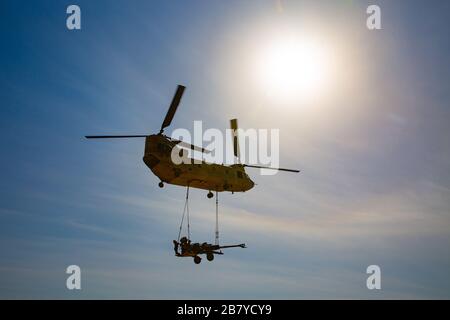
(242, 245)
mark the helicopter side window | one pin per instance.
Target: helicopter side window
(239, 175)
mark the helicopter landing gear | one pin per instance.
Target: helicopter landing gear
(210, 195)
(197, 259)
(210, 256)
(161, 184)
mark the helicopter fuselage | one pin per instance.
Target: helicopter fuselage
(207, 176)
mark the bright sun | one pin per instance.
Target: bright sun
(292, 69)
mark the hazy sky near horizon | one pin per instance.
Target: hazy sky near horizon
(373, 146)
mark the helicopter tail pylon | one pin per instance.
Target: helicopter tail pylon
(235, 137)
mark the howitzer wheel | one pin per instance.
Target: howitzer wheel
(197, 259)
(210, 256)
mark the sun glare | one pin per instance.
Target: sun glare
(294, 69)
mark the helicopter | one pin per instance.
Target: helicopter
(206, 176)
(158, 152)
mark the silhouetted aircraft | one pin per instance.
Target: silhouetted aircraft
(207, 176)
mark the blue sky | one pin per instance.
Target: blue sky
(374, 151)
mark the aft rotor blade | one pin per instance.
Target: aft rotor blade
(279, 169)
(114, 137)
(173, 107)
(190, 146)
(234, 127)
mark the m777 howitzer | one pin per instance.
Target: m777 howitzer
(195, 249)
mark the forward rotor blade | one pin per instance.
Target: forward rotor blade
(173, 107)
(279, 169)
(190, 146)
(108, 137)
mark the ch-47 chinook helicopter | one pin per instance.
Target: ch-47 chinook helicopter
(208, 176)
